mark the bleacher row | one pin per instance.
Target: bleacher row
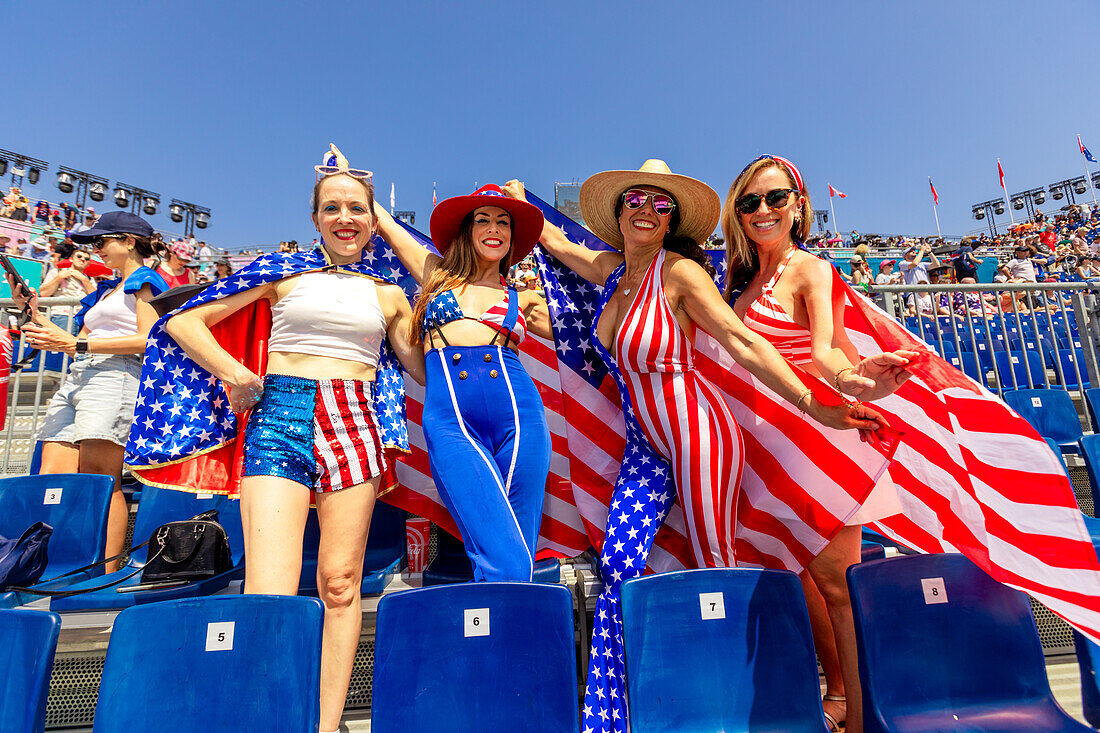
(705, 649)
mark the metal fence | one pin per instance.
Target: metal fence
(1005, 335)
(34, 379)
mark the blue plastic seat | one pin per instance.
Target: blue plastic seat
(452, 565)
(1090, 451)
(942, 646)
(1051, 413)
(1088, 661)
(1066, 359)
(1092, 403)
(719, 649)
(29, 642)
(220, 663)
(385, 550)
(970, 365)
(476, 657)
(159, 506)
(1020, 363)
(74, 504)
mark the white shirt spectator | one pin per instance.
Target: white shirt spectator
(913, 273)
(1021, 269)
(883, 279)
(40, 248)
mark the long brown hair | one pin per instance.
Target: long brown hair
(742, 260)
(456, 268)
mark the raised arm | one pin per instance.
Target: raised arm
(536, 313)
(692, 291)
(415, 257)
(398, 313)
(595, 266)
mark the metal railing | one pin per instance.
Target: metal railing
(31, 387)
(1051, 329)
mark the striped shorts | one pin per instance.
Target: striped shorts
(322, 433)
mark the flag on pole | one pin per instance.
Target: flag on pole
(1085, 151)
(834, 192)
(393, 197)
(1001, 174)
(935, 196)
(433, 195)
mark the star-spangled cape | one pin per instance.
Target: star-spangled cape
(184, 434)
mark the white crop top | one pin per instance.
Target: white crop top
(333, 314)
(114, 315)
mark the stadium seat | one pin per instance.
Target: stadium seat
(970, 365)
(385, 550)
(966, 658)
(1092, 404)
(719, 649)
(452, 565)
(1050, 412)
(871, 551)
(30, 640)
(1069, 379)
(1020, 364)
(229, 663)
(1088, 661)
(74, 504)
(476, 656)
(159, 506)
(1090, 451)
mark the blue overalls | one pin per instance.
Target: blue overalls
(489, 449)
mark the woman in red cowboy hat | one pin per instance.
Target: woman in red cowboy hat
(484, 422)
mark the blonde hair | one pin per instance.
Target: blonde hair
(742, 261)
(455, 269)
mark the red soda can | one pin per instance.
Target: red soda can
(418, 532)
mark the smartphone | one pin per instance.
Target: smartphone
(25, 315)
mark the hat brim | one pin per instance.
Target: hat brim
(699, 205)
(447, 218)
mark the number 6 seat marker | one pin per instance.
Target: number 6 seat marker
(476, 622)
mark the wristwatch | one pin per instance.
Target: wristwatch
(82, 345)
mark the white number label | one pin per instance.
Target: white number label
(219, 636)
(477, 622)
(1015, 360)
(204, 496)
(53, 496)
(712, 606)
(934, 592)
(1036, 402)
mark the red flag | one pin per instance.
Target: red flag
(834, 192)
(1001, 173)
(935, 196)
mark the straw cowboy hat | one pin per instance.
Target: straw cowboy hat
(697, 202)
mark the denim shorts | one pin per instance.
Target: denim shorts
(96, 402)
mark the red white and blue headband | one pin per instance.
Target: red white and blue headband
(783, 162)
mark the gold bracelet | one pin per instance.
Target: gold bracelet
(801, 397)
(836, 377)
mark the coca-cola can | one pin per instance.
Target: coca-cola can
(418, 532)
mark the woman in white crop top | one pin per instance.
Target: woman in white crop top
(312, 432)
(88, 419)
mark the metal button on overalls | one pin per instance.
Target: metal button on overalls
(488, 358)
(493, 373)
(456, 358)
(462, 375)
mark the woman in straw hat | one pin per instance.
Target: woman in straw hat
(484, 423)
(683, 441)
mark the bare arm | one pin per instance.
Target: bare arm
(536, 313)
(595, 266)
(43, 334)
(398, 313)
(415, 257)
(50, 287)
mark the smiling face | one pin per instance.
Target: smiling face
(643, 226)
(344, 217)
(114, 249)
(491, 233)
(770, 228)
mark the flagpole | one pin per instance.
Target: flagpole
(833, 212)
(935, 211)
(1008, 203)
(1085, 160)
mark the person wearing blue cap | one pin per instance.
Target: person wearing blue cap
(88, 420)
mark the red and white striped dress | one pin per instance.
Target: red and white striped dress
(684, 418)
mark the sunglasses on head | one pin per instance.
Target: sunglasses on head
(775, 199)
(635, 198)
(332, 170)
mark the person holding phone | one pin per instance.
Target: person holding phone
(88, 420)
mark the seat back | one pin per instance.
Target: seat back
(74, 504)
(1071, 363)
(476, 656)
(160, 506)
(218, 663)
(936, 634)
(1090, 451)
(1092, 404)
(1050, 412)
(719, 649)
(1088, 660)
(26, 656)
(1020, 363)
(385, 544)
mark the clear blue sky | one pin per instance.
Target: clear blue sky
(229, 104)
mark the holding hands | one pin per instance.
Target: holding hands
(876, 376)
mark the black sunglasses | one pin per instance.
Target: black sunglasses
(775, 199)
(101, 240)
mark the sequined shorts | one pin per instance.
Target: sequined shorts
(322, 434)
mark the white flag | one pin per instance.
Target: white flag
(393, 198)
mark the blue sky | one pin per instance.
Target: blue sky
(229, 104)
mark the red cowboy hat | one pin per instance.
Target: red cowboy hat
(526, 219)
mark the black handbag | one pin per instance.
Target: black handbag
(193, 549)
(23, 561)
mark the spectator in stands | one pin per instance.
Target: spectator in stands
(88, 223)
(88, 420)
(16, 204)
(1089, 269)
(886, 274)
(206, 259)
(1021, 268)
(912, 268)
(41, 247)
(861, 271)
(174, 269)
(67, 282)
(223, 268)
(966, 263)
(70, 215)
(42, 212)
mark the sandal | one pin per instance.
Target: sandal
(835, 726)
